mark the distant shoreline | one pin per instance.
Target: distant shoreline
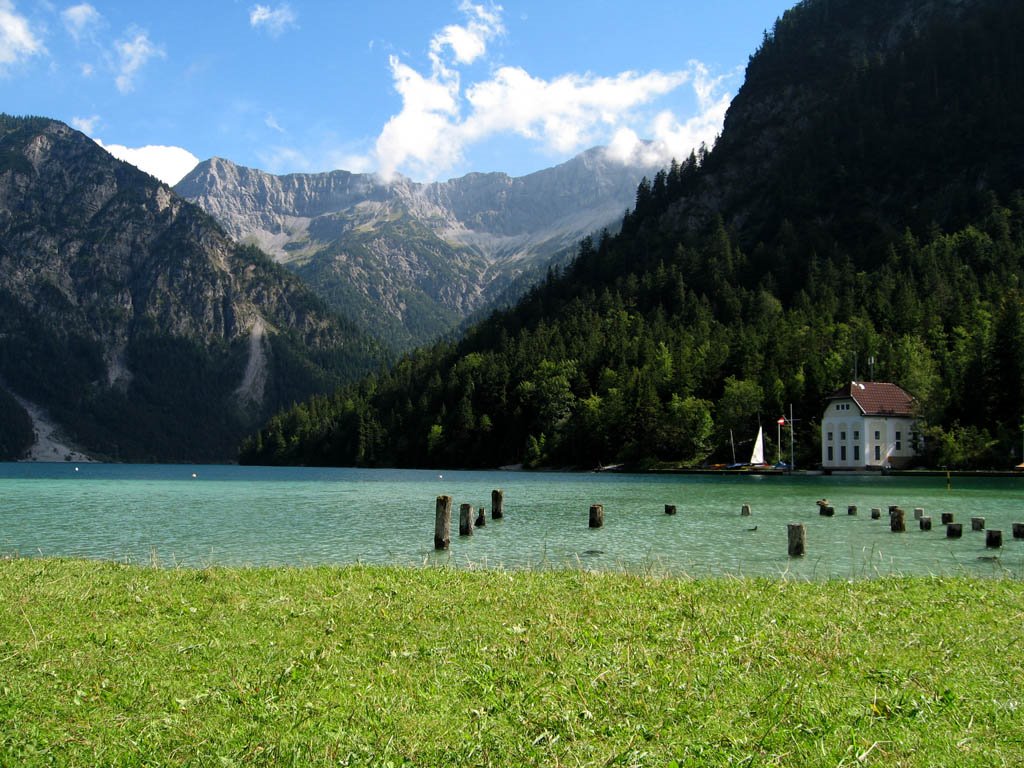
(828, 473)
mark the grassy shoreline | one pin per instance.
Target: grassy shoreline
(111, 664)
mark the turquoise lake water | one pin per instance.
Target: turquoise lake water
(254, 516)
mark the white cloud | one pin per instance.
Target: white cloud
(563, 113)
(86, 125)
(17, 41)
(169, 164)
(274, 20)
(670, 137)
(271, 122)
(133, 53)
(440, 119)
(422, 133)
(80, 20)
(469, 43)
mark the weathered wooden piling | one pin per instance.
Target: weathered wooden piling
(977, 523)
(947, 518)
(993, 538)
(443, 522)
(497, 504)
(926, 522)
(481, 518)
(1018, 530)
(954, 530)
(596, 515)
(827, 510)
(897, 520)
(797, 537)
(876, 513)
(918, 513)
(745, 510)
(670, 509)
(465, 520)
(851, 509)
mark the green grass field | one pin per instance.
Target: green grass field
(110, 664)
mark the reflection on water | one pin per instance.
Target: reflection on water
(221, 515)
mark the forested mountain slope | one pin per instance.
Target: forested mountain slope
(863, 203)
(133, 320)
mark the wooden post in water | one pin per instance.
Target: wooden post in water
(596, 515)
(745, 510)
(954, 530)
(876, 513)
(947, 518)
(465, 520)
(897, 522)
(670, 509)
(1018, 530)
(827, 511)
(481, 518)
(918, 513)
(926, 523)
(977, 523)
(497, 504)
(852, 509)
(443, 522)
(797, 535)
(993, 538)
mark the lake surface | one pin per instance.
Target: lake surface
(196, 516)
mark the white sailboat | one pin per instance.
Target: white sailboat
(757, 456)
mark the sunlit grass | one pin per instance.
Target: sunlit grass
(107, 664)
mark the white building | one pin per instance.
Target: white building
(867, 425)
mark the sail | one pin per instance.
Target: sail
(757, 457)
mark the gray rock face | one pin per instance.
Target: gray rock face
(413, 260)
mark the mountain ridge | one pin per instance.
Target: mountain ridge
(470, 237)
(120, 299)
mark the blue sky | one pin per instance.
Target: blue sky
(431, 89)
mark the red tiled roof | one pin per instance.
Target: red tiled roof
(877, 398)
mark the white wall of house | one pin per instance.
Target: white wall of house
(851, 440)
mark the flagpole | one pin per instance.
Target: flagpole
(778, 439)
(791, 461)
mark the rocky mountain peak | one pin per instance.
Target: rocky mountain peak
(426, 255)
(118, 296)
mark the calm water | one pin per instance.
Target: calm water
(227, 515)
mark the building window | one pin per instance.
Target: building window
(830, 437)
(856, 434)
(878, 453)
(856, 453)
(842, 436)
(878, 435)
(842, 453)
(899, 438)
(831, 455)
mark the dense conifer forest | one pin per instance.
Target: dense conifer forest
(862, 204)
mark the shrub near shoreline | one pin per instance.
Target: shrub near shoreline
(109, 664)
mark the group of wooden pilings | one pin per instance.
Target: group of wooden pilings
(443, 517)
(897, 524)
